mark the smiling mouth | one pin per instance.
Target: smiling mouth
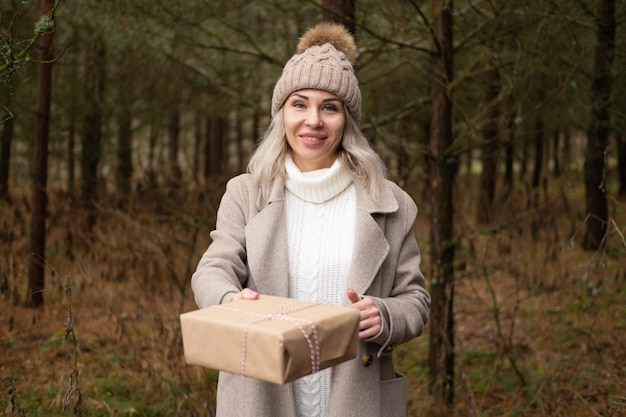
(311, 138)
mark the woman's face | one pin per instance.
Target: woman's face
(314, 122)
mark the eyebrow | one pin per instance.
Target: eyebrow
(324, 100)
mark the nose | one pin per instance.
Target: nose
(313, 118)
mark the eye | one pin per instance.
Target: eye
(330, 108)
(298, 105)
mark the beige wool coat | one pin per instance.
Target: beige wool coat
(249, 249)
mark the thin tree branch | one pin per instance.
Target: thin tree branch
(41, 28)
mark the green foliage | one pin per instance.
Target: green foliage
(43, 25)
(222, 58)
(10, 63)
(53, 342)
(14, 52)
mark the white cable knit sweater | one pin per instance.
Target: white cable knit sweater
(320, 211)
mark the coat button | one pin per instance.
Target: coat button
(367, 360)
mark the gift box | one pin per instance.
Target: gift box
(274, 339)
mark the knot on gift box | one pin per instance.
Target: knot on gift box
(283, 314)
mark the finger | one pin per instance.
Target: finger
(367, 333)
(246, 294)
(353, 296)
(369, 320)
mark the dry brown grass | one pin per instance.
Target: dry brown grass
(540, 323)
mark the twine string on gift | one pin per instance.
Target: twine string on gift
(283, 314)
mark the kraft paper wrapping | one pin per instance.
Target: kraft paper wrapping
(274, 339)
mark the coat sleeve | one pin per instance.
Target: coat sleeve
(406, 308)
(222, 271)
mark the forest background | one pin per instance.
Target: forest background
(154, 105)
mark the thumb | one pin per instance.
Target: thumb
(248, 294)
(353, 296)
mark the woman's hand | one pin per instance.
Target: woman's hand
(370, 324)
(246, 294)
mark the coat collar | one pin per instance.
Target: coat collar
(277, 193)
(370, 243)
(386, 203)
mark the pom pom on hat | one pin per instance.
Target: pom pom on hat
(323, 61)
(336, 35)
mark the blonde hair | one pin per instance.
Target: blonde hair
(354, 153)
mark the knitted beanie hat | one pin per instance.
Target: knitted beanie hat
(323, 61)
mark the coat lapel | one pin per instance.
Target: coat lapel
(266, 243)
(370, 244)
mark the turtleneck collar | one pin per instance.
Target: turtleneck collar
(316, 186)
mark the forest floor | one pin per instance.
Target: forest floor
(540, 323)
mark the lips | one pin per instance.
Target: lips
(312, 137)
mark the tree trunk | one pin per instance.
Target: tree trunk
(598, 133)
(556, 156)
(173, 135)
(621, 164)
(538, 140)
(74, 89)
(124, 154)
(71, 161)
(124, 175)
(92, 130)
(239, 138)
(442, 172)
(509, 146)
(340, 11)
(37, 241)
(151, 173)
(523, 161)
(488, 156)
(5, 151)
(197, 146)
(567, 150)
(214, 147)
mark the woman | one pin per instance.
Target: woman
(315, 219)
